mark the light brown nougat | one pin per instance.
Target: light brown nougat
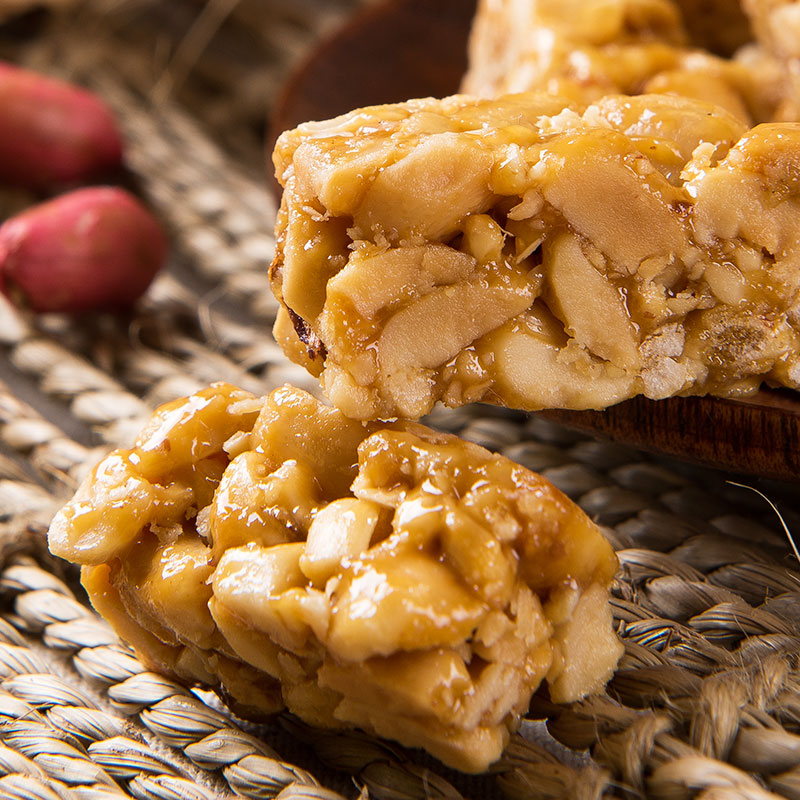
(382, 576)
(522, 253)
(740, 55)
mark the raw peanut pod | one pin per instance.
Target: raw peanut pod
(91, 249)
(53, 132)
(382, 576)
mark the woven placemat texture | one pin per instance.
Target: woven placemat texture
(706, 701)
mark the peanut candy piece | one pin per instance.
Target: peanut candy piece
(383, 576)
(519, 252)
(739, 55)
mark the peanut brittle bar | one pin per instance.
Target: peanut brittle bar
(382, 576)
(534, 252)
(740, 55)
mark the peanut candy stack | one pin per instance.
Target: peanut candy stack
(381, 576)
(535, 252)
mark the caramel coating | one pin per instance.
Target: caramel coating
(538, 253)
(381, 576)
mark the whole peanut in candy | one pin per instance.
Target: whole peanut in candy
(53, 132)
(91, 249)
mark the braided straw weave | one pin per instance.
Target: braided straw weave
(706, 701)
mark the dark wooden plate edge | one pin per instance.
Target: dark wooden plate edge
(758, 435)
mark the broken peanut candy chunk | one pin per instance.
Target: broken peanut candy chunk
(535, 252)
(383, 576)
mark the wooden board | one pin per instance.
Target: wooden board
(414, 48)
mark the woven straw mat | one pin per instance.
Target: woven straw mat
(706, 700)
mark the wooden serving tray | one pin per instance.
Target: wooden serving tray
(398, 49)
